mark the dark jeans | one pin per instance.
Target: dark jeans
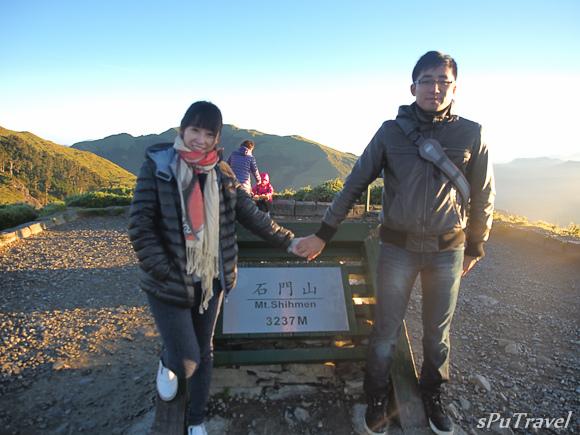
(188, 345)
(440, 278)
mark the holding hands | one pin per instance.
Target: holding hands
(308, 247)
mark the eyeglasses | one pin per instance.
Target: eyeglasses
(431, 82)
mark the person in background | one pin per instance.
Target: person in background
(182, 226)
(427, 229)
(244, 165)
(263, 192)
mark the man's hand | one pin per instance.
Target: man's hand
(310, 247)
(468, 263)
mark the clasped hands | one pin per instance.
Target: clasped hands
(308, 247)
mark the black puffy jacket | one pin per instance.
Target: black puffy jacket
(156, 233)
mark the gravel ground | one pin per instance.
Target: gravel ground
(78, 348)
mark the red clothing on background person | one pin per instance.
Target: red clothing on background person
(263, 192)
(264, 187)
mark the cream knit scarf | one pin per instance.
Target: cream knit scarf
(200, 215)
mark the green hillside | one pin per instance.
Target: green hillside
(35, 170)
(292, 161)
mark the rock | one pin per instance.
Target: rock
(59, 365)
(514, 348)
(453, 411)
(353, 387)
(482, 382)
(301, 415)
(486, 301)
(465, 404)
(288, 391)
(495, 428)
(226, 378)
(217, 425)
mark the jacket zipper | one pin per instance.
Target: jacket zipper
(427, 181)
(424, 222)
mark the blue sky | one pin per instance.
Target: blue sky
(331, 71)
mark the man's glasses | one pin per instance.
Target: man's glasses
(431, 82)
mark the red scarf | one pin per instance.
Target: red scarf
(199, 162)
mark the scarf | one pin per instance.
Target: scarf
(200, 215)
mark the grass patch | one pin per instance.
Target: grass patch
(572, 230)
(101, 199)
(53, 207)
(15, 214)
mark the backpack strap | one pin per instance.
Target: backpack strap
(431, 150)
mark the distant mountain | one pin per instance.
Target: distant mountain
(292, 161)
(35, 170)
(540, 189)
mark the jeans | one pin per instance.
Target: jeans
(188, 345)
(440, 278)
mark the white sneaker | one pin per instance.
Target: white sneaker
(197, 430)
(166, 383)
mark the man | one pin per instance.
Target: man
(244, 165)
(427, 229)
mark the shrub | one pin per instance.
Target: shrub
(118, 190)
(304, 194)
(376, 195)
(325, 192)
(572, 230)
(16, 214)
(97, 200)
(285, 194)
(53, 207)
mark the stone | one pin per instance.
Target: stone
(486, 301)
(481, 381)
(453, 411)
(288, 391)
(305, 208)
(495, 428)
(353, 387)
(217, 425)
(248, 392)
(283, 207)
(321, 208)
(464, 403)
(231, 378)
(513, 348)
(301, 414)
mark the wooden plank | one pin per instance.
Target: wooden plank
(406, 387)
(170, 416)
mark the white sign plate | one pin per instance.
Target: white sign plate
(286, 299)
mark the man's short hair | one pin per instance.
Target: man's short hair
(249, 144)
(203, 114)
(434, 59)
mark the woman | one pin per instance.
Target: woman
(182, 227)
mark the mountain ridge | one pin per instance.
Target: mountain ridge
(306, 162)
(542, 188)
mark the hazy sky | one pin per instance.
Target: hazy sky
(331, 71)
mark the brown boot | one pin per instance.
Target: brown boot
(170, 416)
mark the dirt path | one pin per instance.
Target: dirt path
(78, 348)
